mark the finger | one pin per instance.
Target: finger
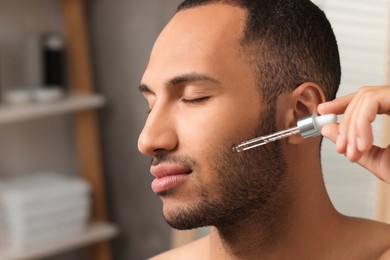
(349, 128)
(340, 106)
(331, 131)
(361, 121)
(356, 123)
(377, 161)
(355, 131)
(336, 106)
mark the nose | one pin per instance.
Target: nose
(159, 134)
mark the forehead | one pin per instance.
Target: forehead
(214, 23)
(197, 39)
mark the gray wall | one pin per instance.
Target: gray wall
(122, 33)
(36, 145)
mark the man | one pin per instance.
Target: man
(222, 72)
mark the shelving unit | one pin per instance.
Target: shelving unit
(81, 104)
(73, 103)
(95, 232)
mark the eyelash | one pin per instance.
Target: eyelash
(195, 100)
(189, 101)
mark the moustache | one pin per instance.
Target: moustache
(185, 161)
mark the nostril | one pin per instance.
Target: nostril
(159, 152)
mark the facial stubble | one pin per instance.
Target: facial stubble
(247, 184)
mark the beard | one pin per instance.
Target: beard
(248, 184)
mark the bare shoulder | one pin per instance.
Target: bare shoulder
(374, 238)
(194, 250)
(385, 255)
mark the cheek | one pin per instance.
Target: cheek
(217, 127)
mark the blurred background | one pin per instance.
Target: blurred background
(71, 112)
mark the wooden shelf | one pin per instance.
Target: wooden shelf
(96, 232)
(19, 113)
(86, 134)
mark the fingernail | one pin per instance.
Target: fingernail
(321, 106)
(349, 150)
(338, 140)
(360, 144)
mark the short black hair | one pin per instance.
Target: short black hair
(289, 42)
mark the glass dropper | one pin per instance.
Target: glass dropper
(307, 126)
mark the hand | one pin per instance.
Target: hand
(353, 135)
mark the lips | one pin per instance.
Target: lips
(168, 176)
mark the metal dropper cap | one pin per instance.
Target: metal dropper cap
(311, 125)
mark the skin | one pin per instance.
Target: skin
(310, 228)
(175, 126)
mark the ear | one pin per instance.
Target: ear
(305, 100)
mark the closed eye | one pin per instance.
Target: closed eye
(195, 100)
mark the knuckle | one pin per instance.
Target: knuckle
(366, 91)
(342, 128)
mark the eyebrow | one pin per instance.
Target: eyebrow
(184, 78)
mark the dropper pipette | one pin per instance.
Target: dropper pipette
(308, 126)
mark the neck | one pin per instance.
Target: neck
(250, 237)
(301, 210)
(246, 239)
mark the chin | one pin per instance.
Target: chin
(180, 215)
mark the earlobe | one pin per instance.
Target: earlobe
(306, 98)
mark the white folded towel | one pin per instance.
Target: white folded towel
(39, 208)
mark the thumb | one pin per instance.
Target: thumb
(331, 131)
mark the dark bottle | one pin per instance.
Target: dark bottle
(53, 61)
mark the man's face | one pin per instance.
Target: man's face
(203, 99)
